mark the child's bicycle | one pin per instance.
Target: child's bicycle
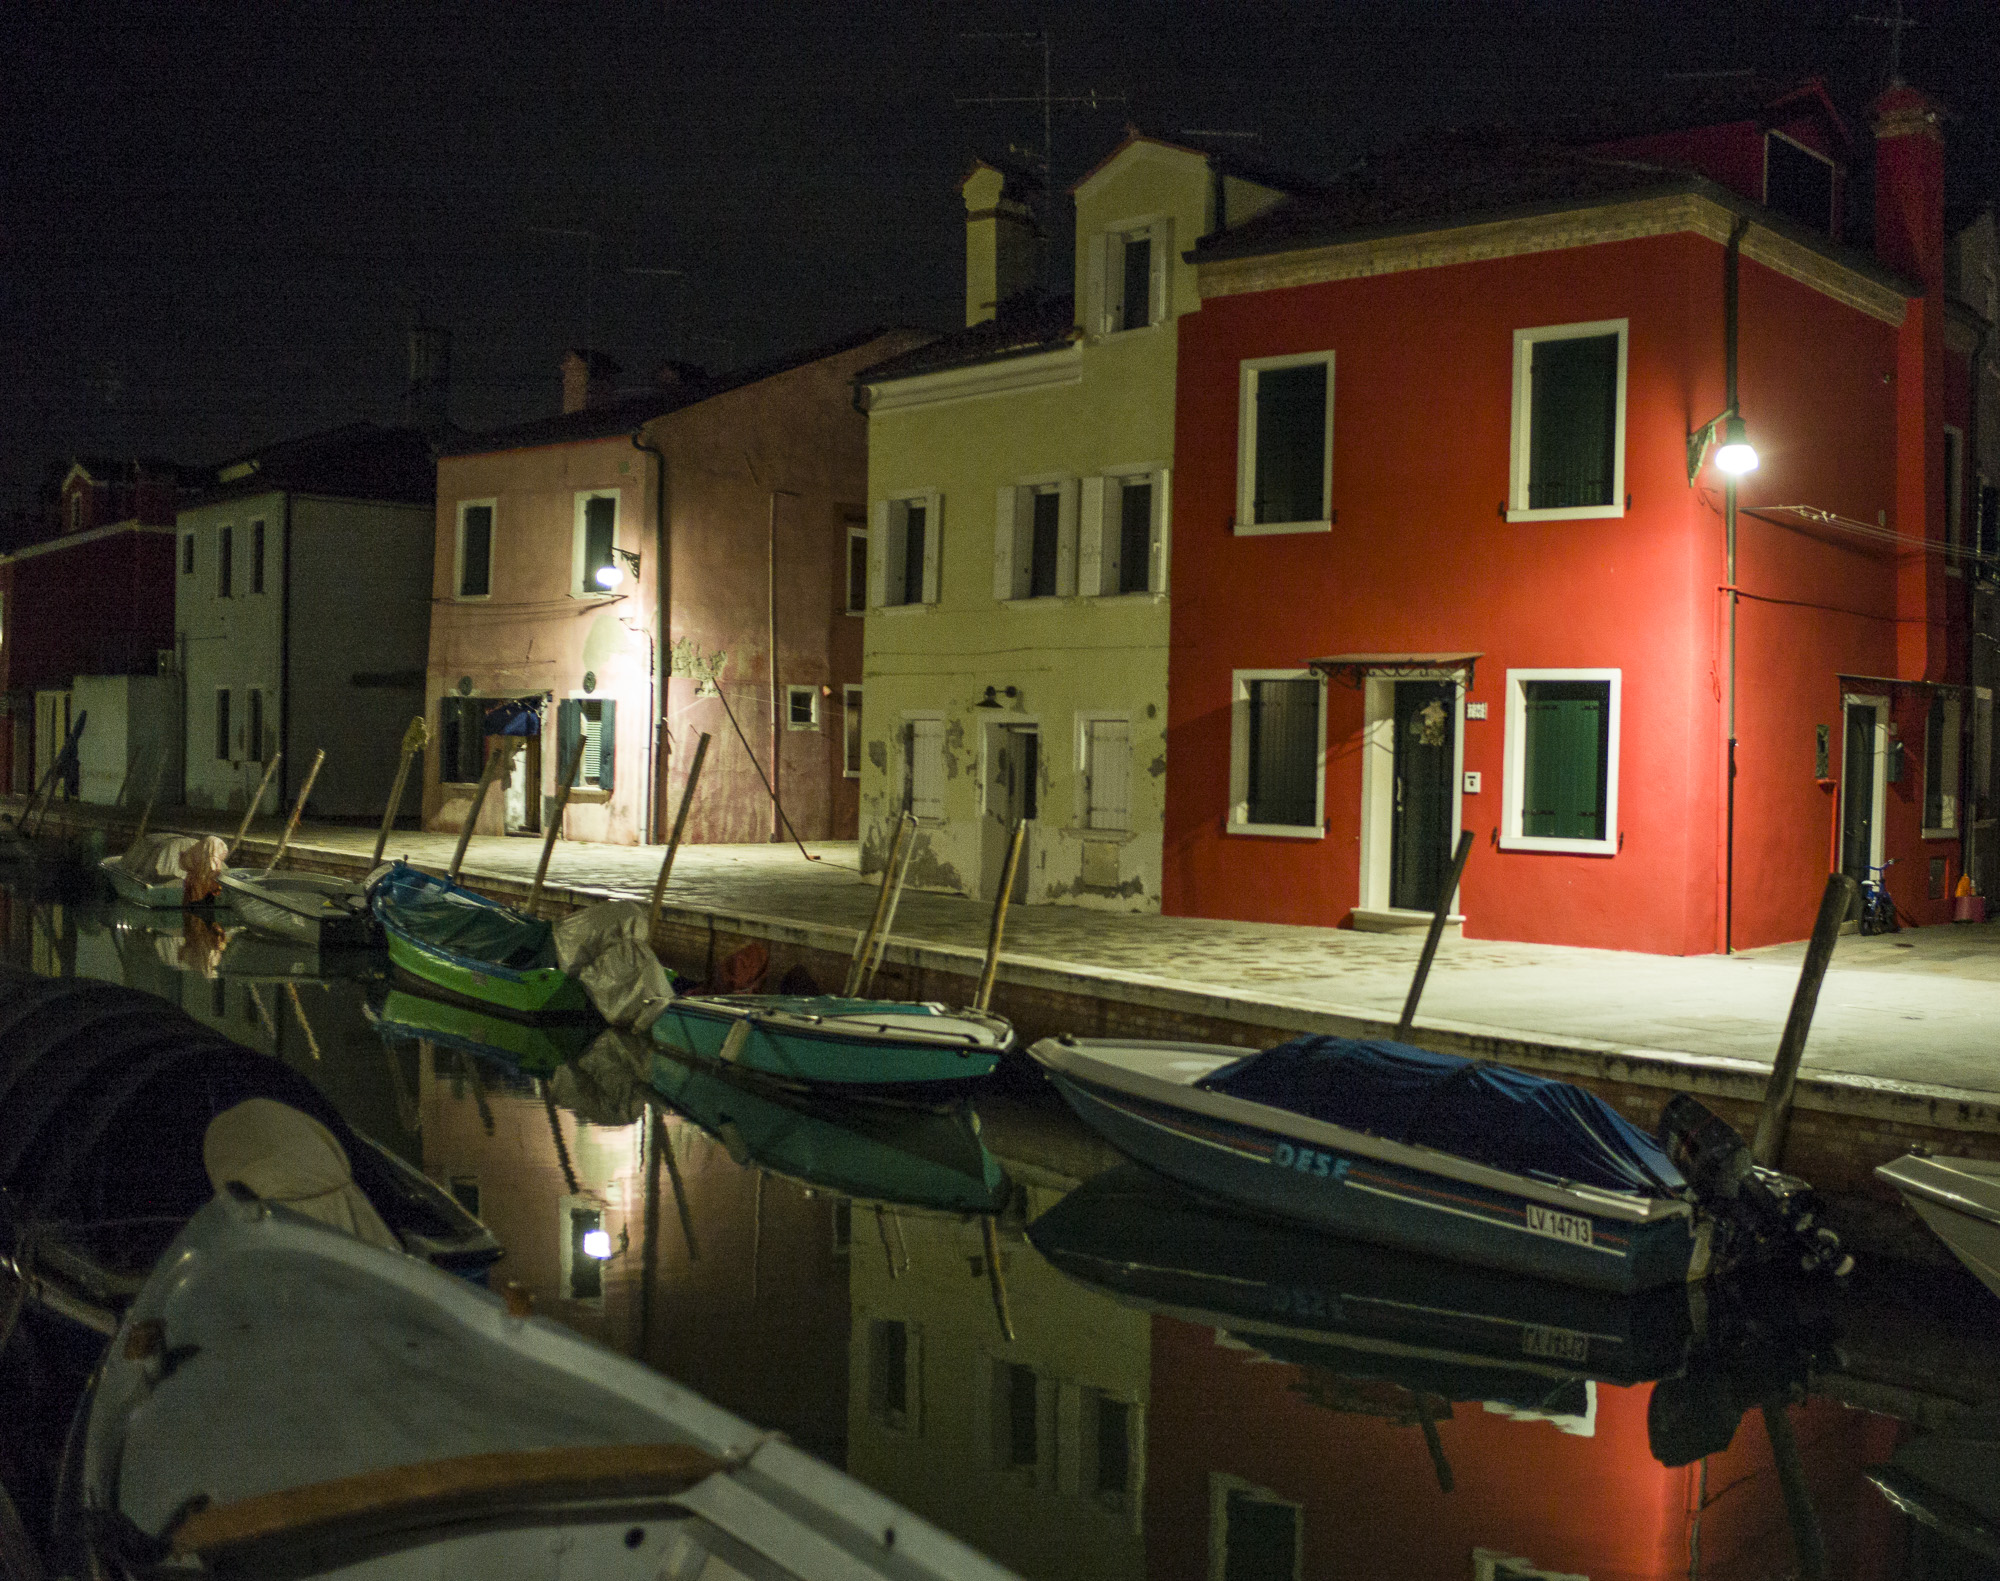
(1878, 911)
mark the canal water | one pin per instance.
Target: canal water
(1145, 1390)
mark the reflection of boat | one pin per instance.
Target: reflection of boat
(319, 909)
(909, 1157)
(1959, 1198)
(1950, 1482)
(824, 1041)
(105, 1096)
(285, 1400)
(1456, 1158)
(535, 1047)
(164, 894)
(471, 947)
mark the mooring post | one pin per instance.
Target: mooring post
(502, 751)
(415, 739)
(298, 808)
(250, 812)
(866, 942)
(1775, 1116)
(555, 822)
(674, 841)
(984, 997)
(1438, 918)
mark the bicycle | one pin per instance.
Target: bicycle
(1878, 911)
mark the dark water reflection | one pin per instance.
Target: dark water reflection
(1108, 1437)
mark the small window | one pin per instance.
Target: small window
(1021, 1413)
(597, 569)
(1954, 501)
(802, 707)
(1253, 1534)
(1107, 774)
(256, 557)
(594, 719)
(923, 769)
(1278, 753)
(1798, 183)
(1123, 538)
(253, 747)
(1569, 422)
(187, 555)
(1130, 276)
(1941, 730)
(1284, 465)
(475, 547)
(1034, 544)
(903, 550)
(850, 722)
(586, 1271)
(225, 564)
(222, 741)
(1135, 533)
(1110, 1425)
(1561, 784)
(857, 570)
(892, 1376)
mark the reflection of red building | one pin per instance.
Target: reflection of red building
(1300, 1457)
(1434, 427)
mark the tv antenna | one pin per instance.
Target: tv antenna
(589, 278)
(1896, 25)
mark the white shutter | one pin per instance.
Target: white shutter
(1162, 271)
(933, 544)
(1004, 506)
(878, 550)
(926, 768)
(1066, 539)
(1093, 540)
(1162, 545)
(1109, 745)
(1096, 302)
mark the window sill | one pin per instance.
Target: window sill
(588, 796)
(1281, 831)
(896, 609)
(855, 612)
(1398, 919)
(1243, 529)
(1939, 834)
(1107, 335)
(812, 728)
(1569, 513)
(1145, 593)
(471, 598)
(1526, 842)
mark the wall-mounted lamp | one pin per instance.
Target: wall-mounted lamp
(611, 573)
(994, 694)
(1736, 456)
(597, 1244)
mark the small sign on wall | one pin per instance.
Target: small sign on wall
(1472, 782)
(1475, 710)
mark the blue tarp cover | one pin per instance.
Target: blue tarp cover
(1491, 1114)
(440, 914)
(517, 718)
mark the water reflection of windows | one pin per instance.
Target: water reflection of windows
(843, 1227)
(465, 1192)
(1253, 1535)
(894, 1374)
(586, 1273)
(1488, 1565)
(1023, 1414)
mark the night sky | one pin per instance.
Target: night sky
(217, 222)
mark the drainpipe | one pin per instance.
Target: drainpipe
(285, 663)
(1731, 259)
(1971, 568)
(663, 581)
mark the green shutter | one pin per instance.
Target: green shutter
(569, 728)
(1567, 759)
(607, 736)
(1573, 418)
(1291, 444)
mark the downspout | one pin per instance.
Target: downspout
(1972, 567)
(1731, 259)
(285, 664)
(663, 580)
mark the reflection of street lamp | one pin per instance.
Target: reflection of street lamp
(1736, 457)
(597, 1243)
(611, 573)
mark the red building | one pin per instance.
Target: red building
(1444, 558)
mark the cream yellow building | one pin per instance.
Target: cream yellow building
(1020, 477)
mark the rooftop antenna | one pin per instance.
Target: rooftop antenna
(589, 278)
(1895, 24)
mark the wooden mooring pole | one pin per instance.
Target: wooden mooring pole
(298, 807)
(1438, 919)
(984, 997)
(1776, 1115)
(674, 840)
(250, 812)
(555, 822)
(501, 752)
(415, 739)
(904, 825)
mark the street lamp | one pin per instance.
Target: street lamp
(1736, 455)
(611, 573)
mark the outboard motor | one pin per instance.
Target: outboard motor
(1767, 1205)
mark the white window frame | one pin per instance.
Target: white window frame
(811, 694)
(1951, 802)
(1014, 538)
(1514, 775)
(458, 554)
(190, 556)
(258, 533)
(578, 588)
(888, 521)
(850, 712)
(847, 570)
(1525, 340)
(1954, 500)
(1247, 525)
(1085, 766)
(1107, 275)
(1239, 758)
(1220, 1486)
(907, 769)
(1099, 528)
(912, 1421)
(1878, 787)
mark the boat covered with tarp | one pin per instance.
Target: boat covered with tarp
(1462, 1159)
(451, 940)
(167, 871)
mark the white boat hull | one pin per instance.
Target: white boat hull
(307, 908)
(1959, 1198)
(171, 895)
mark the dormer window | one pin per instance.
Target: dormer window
(1129, 269)
(1798, 183)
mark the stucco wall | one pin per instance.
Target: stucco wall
(231, 643)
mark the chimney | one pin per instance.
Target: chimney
(1000, 239)
(427, 396)
(589, 379)
(1909, 185)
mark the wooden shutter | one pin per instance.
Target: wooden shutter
(607, 743)
(1562, 797)
(933, 544)
(878, 554)
(1005, 508)
(569, 725)
(1096, 549)
(926, 768)
(1108, 748)
(1097, 306)
(1066, 539)
(1156, 573)
(1573, 421)
(1284, 752)
(1162, 236)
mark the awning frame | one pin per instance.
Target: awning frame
(1353, 669)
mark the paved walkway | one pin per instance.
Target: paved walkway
(1921, 1007)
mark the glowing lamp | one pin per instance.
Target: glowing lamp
(1737, 456)
(597, 1244)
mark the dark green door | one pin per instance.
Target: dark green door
(1420, 832)
(1857, 793)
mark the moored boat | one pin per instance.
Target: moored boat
(884, 1048)
(536, 1048)
(319, 909)
(1959, 1198)
(165, 872)
(462, 944)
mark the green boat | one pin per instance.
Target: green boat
(536, 1048)
(474, 949)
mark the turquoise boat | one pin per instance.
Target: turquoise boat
(916, 1158)
(470, 948)
(883, 1048)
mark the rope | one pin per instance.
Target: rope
(785, 817)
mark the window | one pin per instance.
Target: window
(1941, 767)
(1569, 422)
(1113, 1436)
(1954, 501)
(802, 708)
(596, 534)
(222, 724)
(1798, 183)
(187, 555)
(1034, 541)
(1129, 279)
(465, 1192)
(857, 570)
(474, 573)
(586, 1273)
(893, 1376)
(1989, 521)
(225, 564)
(594, 719)
(850, 723)
(1107, 774)
(256, 557)
(1253, 1535)
(1561, 781)
(461, 742)
(903, 550)
(1277, 753)
(1284, 451)
(1488, 1565)
(1122, 546)
(254, 726)
(1019, 1415)
(923, 769)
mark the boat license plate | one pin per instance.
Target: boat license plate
(1555, 1344)
(1574, 1227)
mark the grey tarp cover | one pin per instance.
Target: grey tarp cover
(605, 948)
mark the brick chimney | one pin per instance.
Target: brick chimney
(1909, 237)
(589, 379)
(1000, 238)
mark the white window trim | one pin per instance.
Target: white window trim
(1096, 523)
(1949, 770)
(847, 571)
(1378, 779)
(1878, 790)
(1084, 720)
(884, 522)
(1013, 540)
(850, 705)
(1514, 776)
(458, 553)
(1239, 759)
(811, 693)
(1247, 525)
(577, 587)
(1954, 500)
(1517, 481)
(1107, 275)
(1220, 1486)
(997, 725)
(190, 563)
(257, 540)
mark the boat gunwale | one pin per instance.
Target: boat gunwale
(251, 887)
(533, 976)
(834, 1029)
(1897, 1172)
(1071, 1058)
